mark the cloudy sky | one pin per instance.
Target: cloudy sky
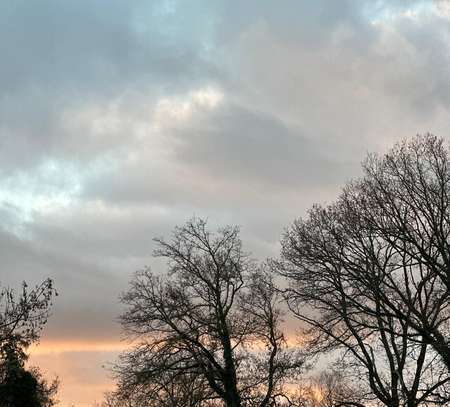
(120, 119)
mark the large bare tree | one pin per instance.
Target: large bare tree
(373, 268)
(405, 200)
(213, 320)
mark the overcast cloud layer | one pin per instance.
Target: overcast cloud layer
(121, 119)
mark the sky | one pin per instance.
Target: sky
(121, 119)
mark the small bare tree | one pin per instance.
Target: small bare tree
(213, 321)
(23, 316)
(332, 389)
(180, 391)
(373, 268)
(326, 389)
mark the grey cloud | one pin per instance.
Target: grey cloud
(251, 147)
(423, 78)
(80, 283)
(351, 90)
(99, 44)
(306, 86)
(61, 56)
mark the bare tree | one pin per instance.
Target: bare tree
(405, 200)
(332, 389)
(326, 389)
(213, 321)
(182, 391)
(23, 316)
(373, 269)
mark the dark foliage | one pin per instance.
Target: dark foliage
(22, 318)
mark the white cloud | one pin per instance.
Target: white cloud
(51, 186)
(181, 108)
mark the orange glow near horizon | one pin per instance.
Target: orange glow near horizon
(83, 367)
(52, 347)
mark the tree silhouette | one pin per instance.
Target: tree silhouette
(212, 321)
(22, 318)
(370, 273)
(20, 386)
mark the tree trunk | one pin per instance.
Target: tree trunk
(230, 382)
(441, 346)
